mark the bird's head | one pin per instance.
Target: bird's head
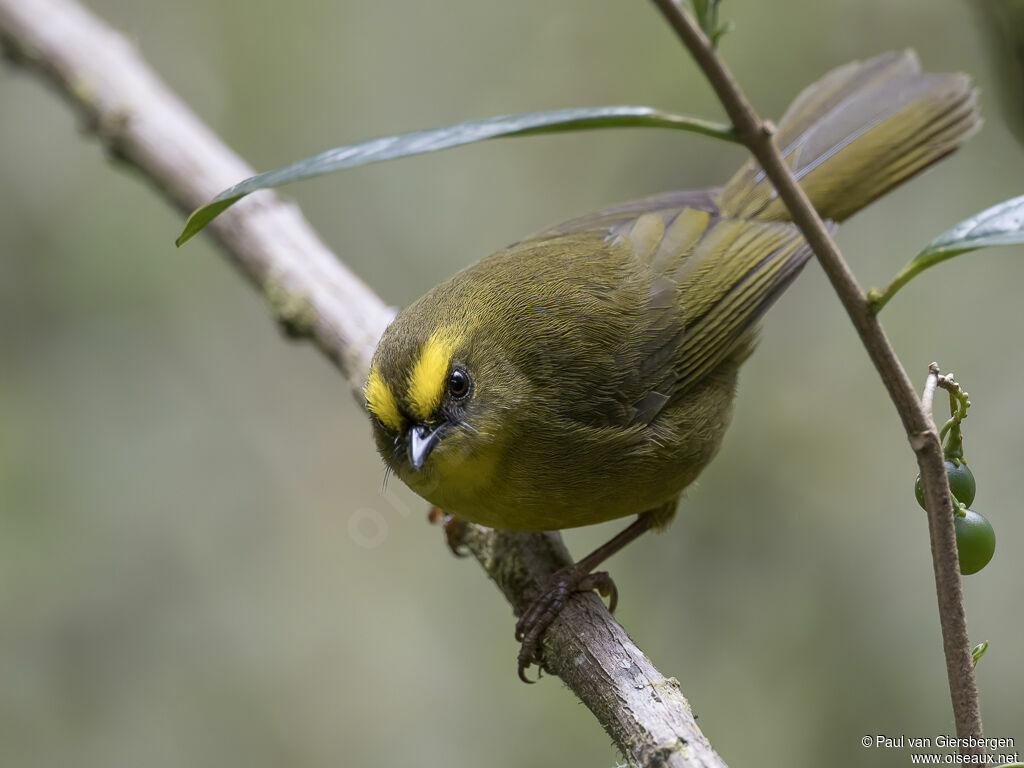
(440, 396)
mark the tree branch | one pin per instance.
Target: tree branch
(756, 134)
(143, 124)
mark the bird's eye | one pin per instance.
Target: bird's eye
(458, 383)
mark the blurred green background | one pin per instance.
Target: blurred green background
(198, 566)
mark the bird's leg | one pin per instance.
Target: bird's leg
(577, 577)
(454, 530)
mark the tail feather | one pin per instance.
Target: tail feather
(857, 133)
(828, 94)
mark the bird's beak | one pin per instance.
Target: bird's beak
(420, 440)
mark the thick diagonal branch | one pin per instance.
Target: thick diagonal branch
(142, 123)
(921, 432)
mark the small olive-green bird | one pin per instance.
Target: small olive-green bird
(588, 372)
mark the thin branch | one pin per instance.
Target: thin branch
(757, 135)
(143, 124)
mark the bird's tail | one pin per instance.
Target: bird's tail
(858, 132)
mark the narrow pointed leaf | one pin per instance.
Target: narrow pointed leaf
(978, 651)
(1002, 224)
(419, 142)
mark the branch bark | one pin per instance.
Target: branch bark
(756, 134)
(142, 123)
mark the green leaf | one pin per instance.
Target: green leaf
(418, 142)
(706, 12)
(978, 651)
(1002, 224)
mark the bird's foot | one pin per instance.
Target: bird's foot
(539, 614)
(454, 530)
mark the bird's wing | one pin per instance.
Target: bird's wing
(617, 217)
(711, 279)
(690, 286)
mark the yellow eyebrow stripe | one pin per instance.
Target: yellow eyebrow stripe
(381, 401)
(430, 374)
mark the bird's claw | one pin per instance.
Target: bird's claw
(454, 530)
(539, 614)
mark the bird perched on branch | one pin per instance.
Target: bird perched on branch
(588, 372)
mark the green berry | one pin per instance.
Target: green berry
(975, 541)
(961, 483)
